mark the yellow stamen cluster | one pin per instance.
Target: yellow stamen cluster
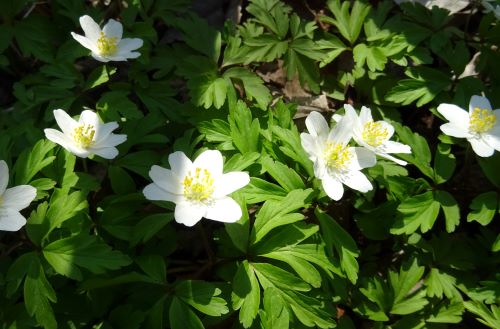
(337, 156)
(198, 187)
(107, 46)
(83, 135)
(374, 133)
(481, 120)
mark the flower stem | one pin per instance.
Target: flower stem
(85, 168)
(206, 243)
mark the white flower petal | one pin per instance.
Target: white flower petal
(4, 176)
(333, 187)
(65, 122)
(105, 129)
(90, 28)
(189, 214)
(110, 140)
(451, 129)
(179, 163)
(365, 115)
(105, 152)
(230, 182)
(310, 145)
(166, 179)
(155, 193)
(336, 117)
(57, 137)
(224, 210)
(84, 41)
(342, 132)
(89, 118)
(210, 160)
(11, 220)
(481, 148)
(357, 181)
(116, 58)
(395, 147)
(18, 197)
(455, 115)
(316, 124)
(113, 29)
(390, 157)
(361, 157)
(492, 140)
(479, 101)
(388, 127)
(99, 58)
(129, 44)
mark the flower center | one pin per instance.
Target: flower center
(198, 186)
(337, 156)
(374, 133)
(107, 46)
(482, 120)
(83, 135)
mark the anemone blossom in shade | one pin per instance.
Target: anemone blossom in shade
(106, 44)
(13, 200)
(335, 163)
(375, 135)
(480, 126)
(199, 188)
(86, 136)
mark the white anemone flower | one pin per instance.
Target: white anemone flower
(13, 200)
(480, 126)
(491, 7)
(375, 135)
(86, 136)
(199, 188)
(335, 162)
(107, 44)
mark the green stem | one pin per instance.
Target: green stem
(85, 168)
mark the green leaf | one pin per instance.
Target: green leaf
(246, 294)
(444, 163)
(450, 208)
(404, 301)
(154, 266)
(338, 239)
(372, 56)
(203, 296)
(292, 146)
(301, 257)
(182, 317)
(260, 190)
(422, 87)
(349, 24)
(439, 283)
(199, 35)
(38, 293)
(273, 276)
(447, 313)
(417, 211)
(285, 176)
(121, 182)
(490, 167)
(275, 314)
(308, 310)
(115, 104)
(304, 67)
(421, 153)
(272, 14)
(239, 232)
(245, 132)
(279, 213)
(98, 76)
(30, 162)
(68, 255)
(489, 317)
(252, 84)
(18, 270)
(149, 226)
